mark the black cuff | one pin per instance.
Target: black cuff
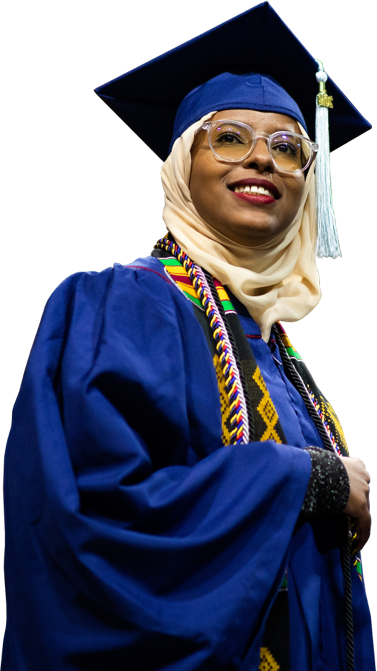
(329, 486)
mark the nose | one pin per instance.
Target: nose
(260, 158)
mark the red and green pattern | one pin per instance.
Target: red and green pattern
(180, 276)
(225, 300)
(293, 353)
(359, 568)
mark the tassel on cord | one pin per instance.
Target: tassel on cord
(327, 234)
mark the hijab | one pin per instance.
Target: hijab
(275, 281)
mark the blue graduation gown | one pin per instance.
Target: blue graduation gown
(134, 539)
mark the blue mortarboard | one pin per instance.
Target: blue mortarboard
(257, 41)
(147, 98)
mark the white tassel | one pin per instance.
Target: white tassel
(327, 234)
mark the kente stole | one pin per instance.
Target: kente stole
(263, 415)
(247, 410)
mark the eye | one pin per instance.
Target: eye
(286, 148)
(228, 138)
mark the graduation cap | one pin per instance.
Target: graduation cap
(255, 42)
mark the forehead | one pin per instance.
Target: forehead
(268, 122)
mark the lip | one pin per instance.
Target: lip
(255, 198)
(254, 181)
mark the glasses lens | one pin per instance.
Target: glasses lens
(289, 151)
(231, 141)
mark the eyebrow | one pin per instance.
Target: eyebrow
(277, 128)
(287, 130)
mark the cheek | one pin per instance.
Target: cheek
(203, 185)
(192, 173)
(196, 182)
(301, 192)
(295, 194)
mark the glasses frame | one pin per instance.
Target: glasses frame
(314, 147)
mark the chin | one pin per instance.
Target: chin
(253, 234)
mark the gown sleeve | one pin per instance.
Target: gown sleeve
(134, 539)
(329, 487)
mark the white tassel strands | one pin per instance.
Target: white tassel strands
(327, 234)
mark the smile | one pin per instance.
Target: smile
(255, 198)
(253, 189)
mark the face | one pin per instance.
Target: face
(245, 218)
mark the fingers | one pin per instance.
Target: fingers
(358, 505)
(363, 526)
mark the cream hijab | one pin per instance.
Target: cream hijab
(276, 281)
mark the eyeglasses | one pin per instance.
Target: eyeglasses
(233, 141)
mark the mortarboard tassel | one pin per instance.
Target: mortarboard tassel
(327, 234)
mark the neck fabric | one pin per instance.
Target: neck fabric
(275, 282)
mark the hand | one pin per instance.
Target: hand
(358, 502)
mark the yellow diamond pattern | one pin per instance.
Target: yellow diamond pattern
(266, 409)
(224, 401)
(331, 415)
(267, 661)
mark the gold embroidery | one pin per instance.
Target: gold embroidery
(224, 402)
(266, 409)
(331, 416)
(267, 661)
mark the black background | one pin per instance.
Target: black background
(85, 191)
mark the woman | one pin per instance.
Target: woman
(162, 524)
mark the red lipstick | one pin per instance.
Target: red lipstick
(254, 181)
(255, 198)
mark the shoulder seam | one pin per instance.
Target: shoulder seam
(150, 271)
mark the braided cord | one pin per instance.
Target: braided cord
(324, 422)
(346, 566)
(345, 550)
(235, 349)
(230, 368)
(239, 417)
